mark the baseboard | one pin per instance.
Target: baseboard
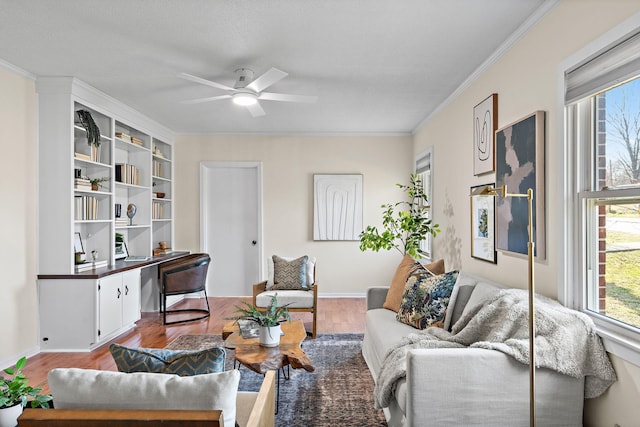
(342, 295)
(12, 361)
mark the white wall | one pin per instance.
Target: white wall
(19, 330)
(289, 163)
(525, 79)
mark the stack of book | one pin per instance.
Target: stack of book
(127, 174)
(90, 265)
(86, 208)
(161, 251)
(123, 136)
(122, 222)
(81, 184)
(82, 156)
(136, 141)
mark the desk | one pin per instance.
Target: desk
(79, 312)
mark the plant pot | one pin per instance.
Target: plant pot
(9, 416)
(270, 336)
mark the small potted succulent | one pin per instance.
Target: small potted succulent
(97, 182)
(268, 320)
(16, 393)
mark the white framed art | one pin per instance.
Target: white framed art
(337, 206)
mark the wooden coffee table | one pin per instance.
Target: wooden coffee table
(249, 352)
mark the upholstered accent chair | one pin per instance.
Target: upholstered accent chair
(182, 276)
(293, 280)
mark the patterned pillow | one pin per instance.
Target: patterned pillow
(425, 299)
(159, 360)
(290, 275)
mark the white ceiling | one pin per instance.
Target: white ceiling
(377, 66)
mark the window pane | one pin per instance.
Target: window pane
(616, 291)
(617, 151)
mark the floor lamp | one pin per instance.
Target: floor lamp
(502, 192)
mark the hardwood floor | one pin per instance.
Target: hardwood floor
(335, 315)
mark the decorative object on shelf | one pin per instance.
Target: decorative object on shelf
(16, 393)
(96, 183)
(502, 192)
(118, 210)
(121, 247)
(268, 320)
(405, 229)
(94, 256)
(485, 123)
(87, 122)
(337, 207)
(520, 165)
(483, 212)
(158, 153)
(131, 212)
(78, 248)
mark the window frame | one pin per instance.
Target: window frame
(575, 192)
(427, 244)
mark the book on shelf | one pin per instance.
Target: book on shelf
(123, 136)
(86, 208)
(127, 174)
(160, 251)
(82, 156)
(136, 141)
(90, 265)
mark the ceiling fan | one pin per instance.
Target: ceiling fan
(248, 91)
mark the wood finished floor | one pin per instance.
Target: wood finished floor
(335, 315)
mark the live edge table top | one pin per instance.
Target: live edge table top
(251, 354)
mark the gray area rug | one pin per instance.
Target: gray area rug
(338, 393)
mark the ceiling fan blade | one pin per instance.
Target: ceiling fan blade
(202, 81)
(201, 100)
(256, 110)
(267, 79)
(270, 96)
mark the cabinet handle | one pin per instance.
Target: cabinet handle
(119, 293)
(126, 290)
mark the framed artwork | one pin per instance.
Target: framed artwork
(520, 166)
(483, 226)
(77, 243)
(485, 123)
(121, 250)
(337, 207)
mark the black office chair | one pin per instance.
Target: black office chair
(184, 275)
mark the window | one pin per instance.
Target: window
(602, 110)
(423, 169)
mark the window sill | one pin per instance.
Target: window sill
(618, 340)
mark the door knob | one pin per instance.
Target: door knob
(253, 242)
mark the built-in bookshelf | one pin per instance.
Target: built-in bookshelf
(130, 161)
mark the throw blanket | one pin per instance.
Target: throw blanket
(566, 341)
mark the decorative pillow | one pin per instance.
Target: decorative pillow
(158, 360)
(74, 388)
(425, 299)
(407, 267)
(290, 275)
(311, 264)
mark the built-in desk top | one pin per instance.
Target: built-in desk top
(118, 267)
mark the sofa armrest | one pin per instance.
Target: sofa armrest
(263, 411)
(490, 386)
(258, 288)
(376, 295)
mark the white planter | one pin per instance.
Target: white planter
(9, 416)
(270, 336)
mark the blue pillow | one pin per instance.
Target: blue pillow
(159, 360)
(425, 299)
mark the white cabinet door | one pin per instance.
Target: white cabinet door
(110, 304)
(131, 297)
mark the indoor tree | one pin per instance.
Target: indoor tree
(405, 224)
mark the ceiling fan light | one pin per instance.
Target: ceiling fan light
(245, 99)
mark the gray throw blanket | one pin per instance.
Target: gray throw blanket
(566, 341)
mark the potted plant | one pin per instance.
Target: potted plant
(405, 229)
(268, 320)
(97, 183)
(15, 393)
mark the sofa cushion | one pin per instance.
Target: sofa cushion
(293, 299)
(74, 388)
(481, 292)
(290, 275)
(425, 299)
(311, 265)
(460, 296)
(407, 267)
(160, 360)
(382, 333)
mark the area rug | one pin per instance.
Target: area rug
(338, 393)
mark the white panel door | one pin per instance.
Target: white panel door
(130, 296)
(230, 225)
(110, 306)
